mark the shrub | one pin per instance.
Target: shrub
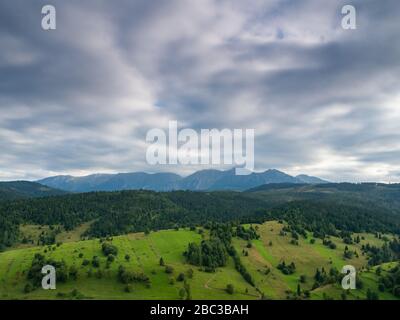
(96, 262)
(28, 288)
(181, 277)
(230, 289)
(109, 248)
(182, 293)
(85, 262)
(287, 269)
(190, 273)
(169, 269)
(73, 272)
(128, 288)
(99, 274)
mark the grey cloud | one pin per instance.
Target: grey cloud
(81, 98)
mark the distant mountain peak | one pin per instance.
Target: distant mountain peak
(202, 180)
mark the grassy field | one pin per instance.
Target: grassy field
(145, 252)
(272, 248)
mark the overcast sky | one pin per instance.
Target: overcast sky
(78, 100)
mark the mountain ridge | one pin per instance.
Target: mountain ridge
(203, 180)
(13, 190)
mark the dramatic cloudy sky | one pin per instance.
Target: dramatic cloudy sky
(80, 99)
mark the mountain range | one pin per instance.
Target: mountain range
(204, 180)
(25, 189)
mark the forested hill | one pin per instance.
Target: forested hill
(321, 210)
(24, 189)
(367, 194)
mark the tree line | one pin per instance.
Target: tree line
(122, 212)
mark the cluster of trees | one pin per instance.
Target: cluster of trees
(372, 295)
(390, 281)
(47, 238)
(329, 243)
(348, 254)
(35, 276)
(214, 252)
(34, 272)
(128, 277)
(347, 237)
(394, 245)
(295, 229)
(210, 254)
(9, 231)
(378, 255)
(65, 272)
(224, 232)
(185, 292)
(240, 267)
(109, 249)
(246, 234)
(287, 268)
(322, 277)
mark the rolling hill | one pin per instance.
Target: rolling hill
(141, 254)
(368, 194)
(25, 189)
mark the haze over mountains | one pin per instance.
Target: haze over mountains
(198, 181)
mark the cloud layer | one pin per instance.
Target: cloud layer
(80, 99)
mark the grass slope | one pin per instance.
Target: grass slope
(306, 256)
(145, 252)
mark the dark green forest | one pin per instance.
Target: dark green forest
(346, 207)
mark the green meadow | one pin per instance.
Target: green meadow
(273, 248)
(145, 251)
